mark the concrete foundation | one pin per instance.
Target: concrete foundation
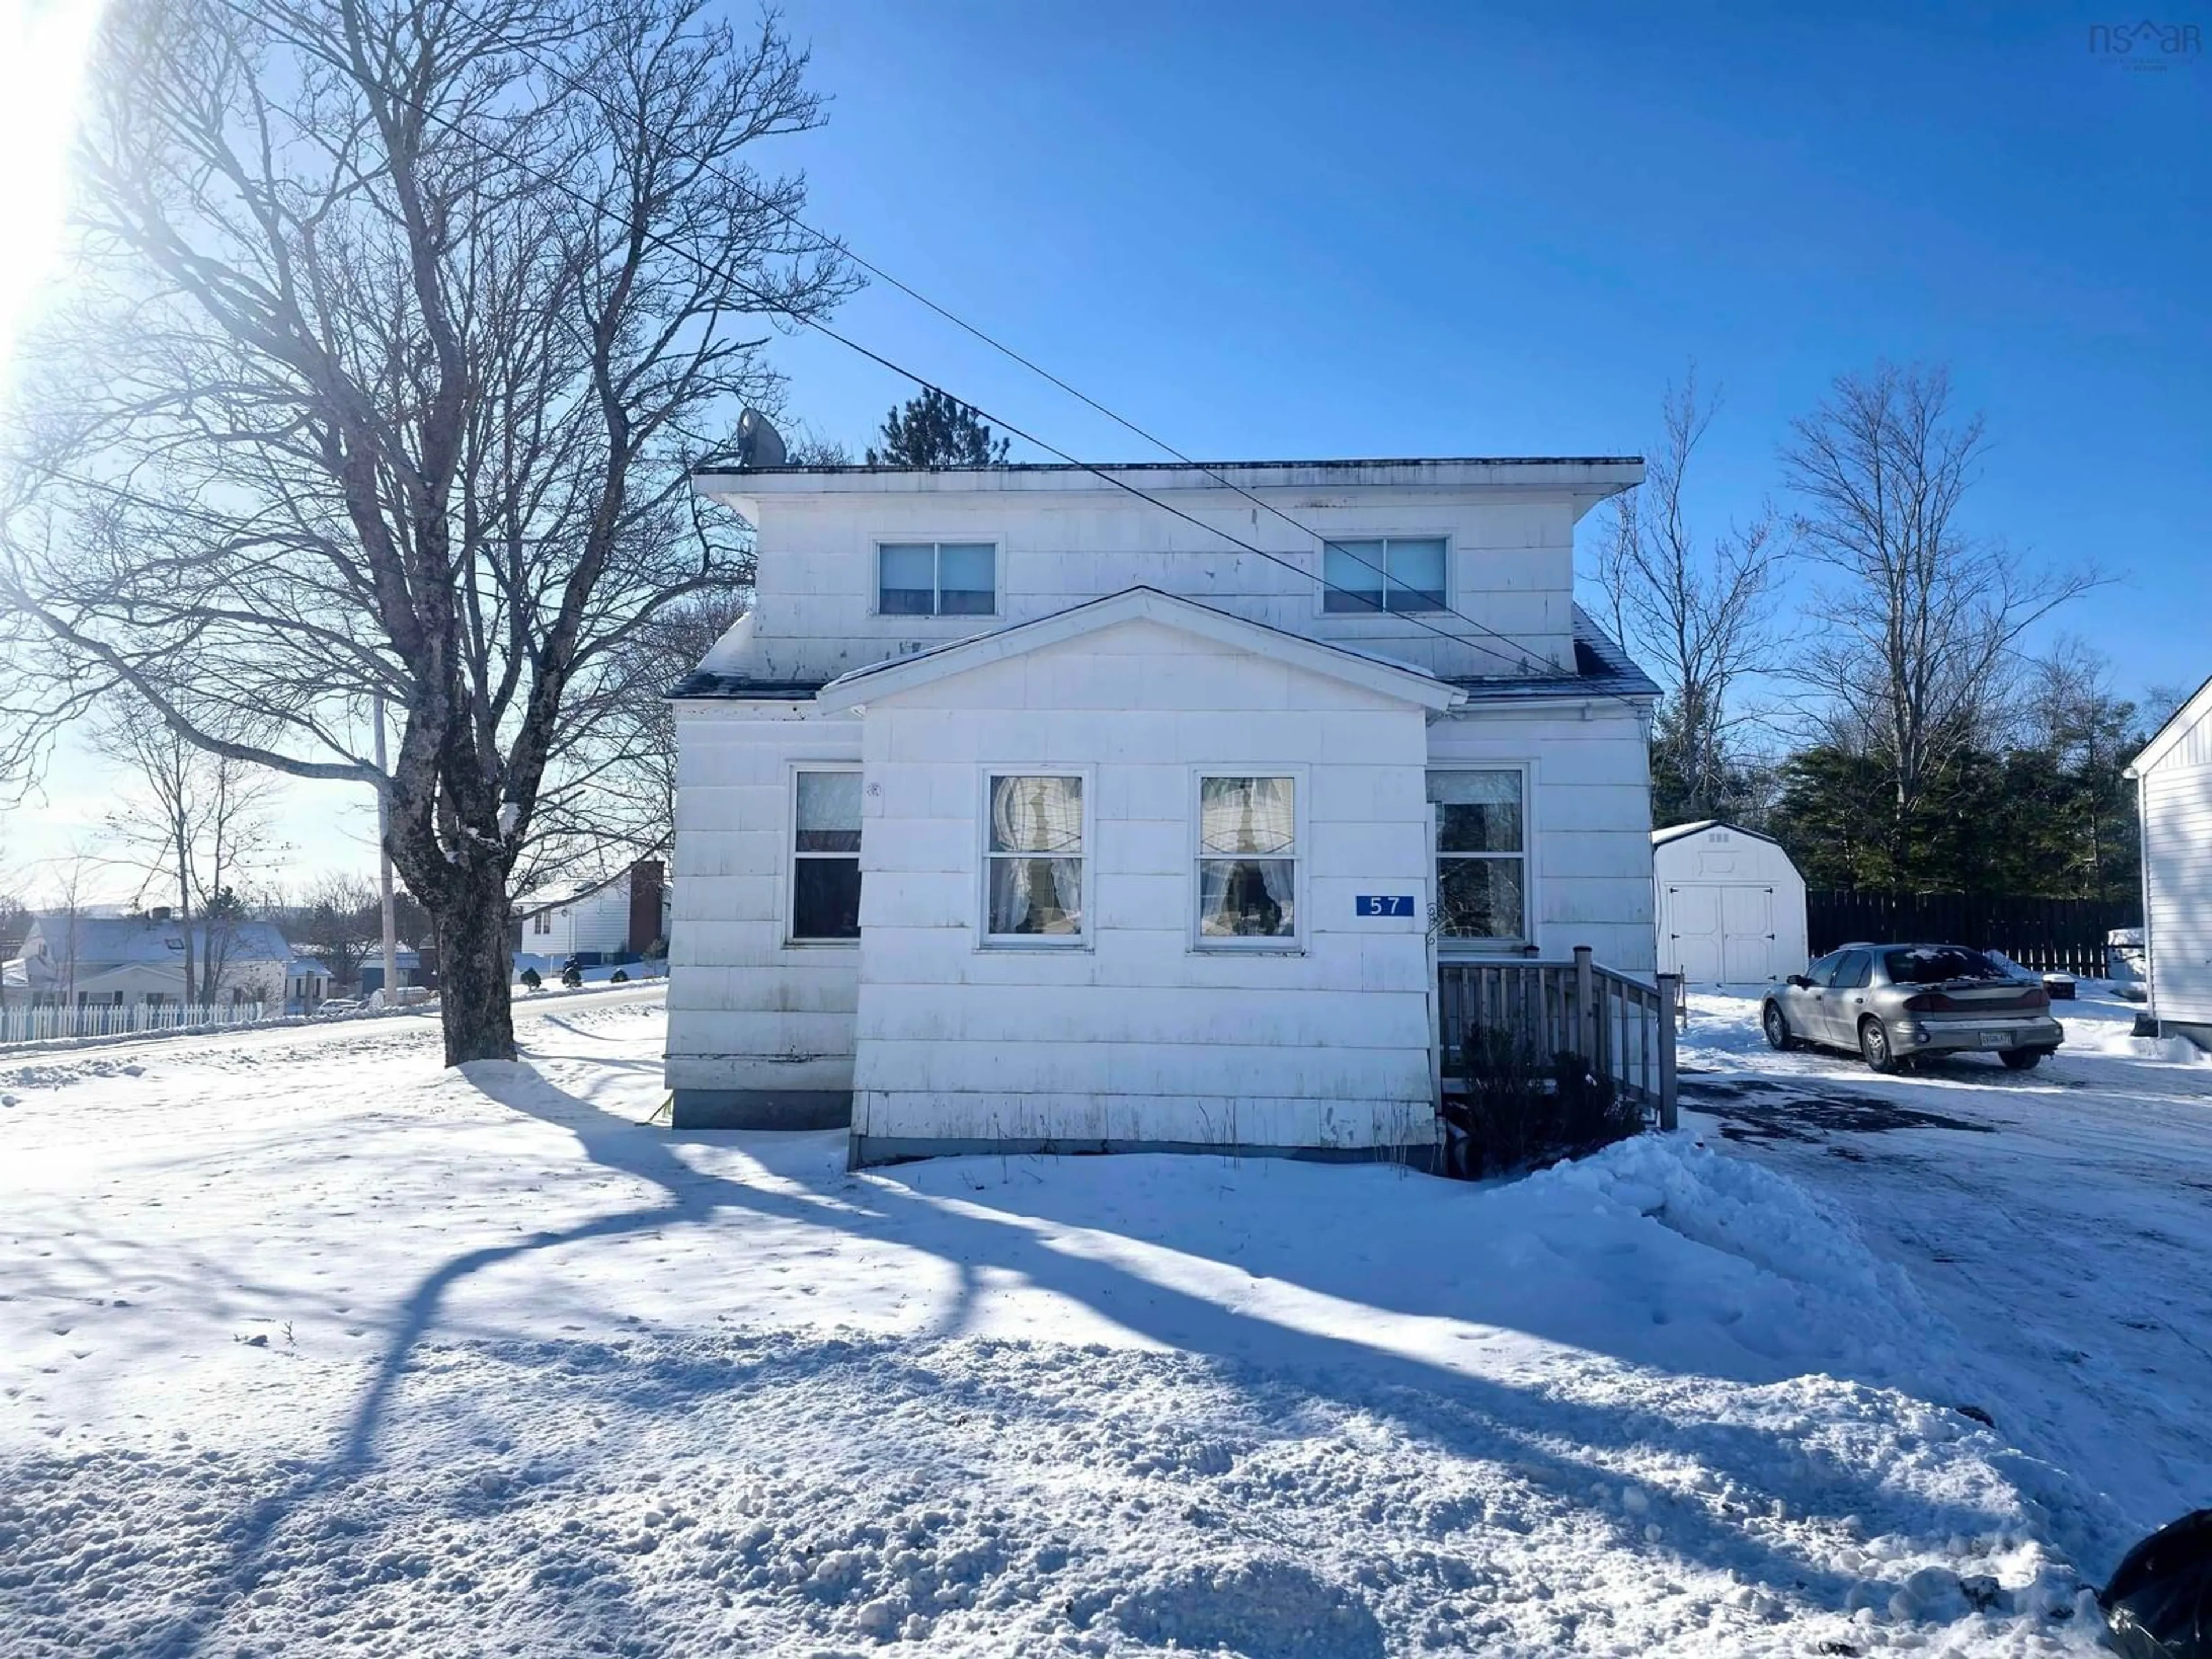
(870, 1150)
(762, 1108)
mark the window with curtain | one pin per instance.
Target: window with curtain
(1393, 573)
(825, 856)
(1035, 857)
(1246, 859)
(1482, 855)
(936, 579)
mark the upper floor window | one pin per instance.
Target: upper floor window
(1393, 573)
(936, 579)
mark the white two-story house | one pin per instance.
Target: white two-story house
(1025, 811)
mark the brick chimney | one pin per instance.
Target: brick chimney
(647, 878)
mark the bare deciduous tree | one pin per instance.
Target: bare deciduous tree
(1700, 614)
(195, 823)
(641, 726)
(338, 920)
(406, 323)
(1920, 631)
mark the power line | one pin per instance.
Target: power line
(829, 242)
(772, 303)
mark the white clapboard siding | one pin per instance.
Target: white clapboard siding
(1511, 557)
(1139, 1038)
(2177, 809)
(746, 1009)
(1589, 818)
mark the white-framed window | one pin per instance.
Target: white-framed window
(937, 579)
(542, 923)
(825, 854)
(1249, 837)
(1037, 833)
(1386, 573)
(1482, 854)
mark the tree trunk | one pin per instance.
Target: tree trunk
(473, 966)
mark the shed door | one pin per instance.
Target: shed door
(1693, 915)
(1747, 934)
(1723, 932)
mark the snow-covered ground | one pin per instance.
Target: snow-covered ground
(308, 1347)
(2060, 1220)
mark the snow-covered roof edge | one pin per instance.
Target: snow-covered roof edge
(1676, 831)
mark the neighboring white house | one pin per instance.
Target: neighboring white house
(1729, 904)
(1022, 812)
(614, 916)
(2173, 797)
(82, 961)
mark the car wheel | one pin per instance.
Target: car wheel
(1874, 1046)
(1778, 1028)
(2021, 1060)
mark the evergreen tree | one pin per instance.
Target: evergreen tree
(937, 430)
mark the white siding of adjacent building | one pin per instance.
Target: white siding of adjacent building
(2175, 793)
(1138, 1038)
(601, 921)
(748, 1011)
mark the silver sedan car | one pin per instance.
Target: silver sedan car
(1893, 1003)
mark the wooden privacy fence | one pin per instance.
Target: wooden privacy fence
(2049, 935)
(1621, 1028)
(55, 1024)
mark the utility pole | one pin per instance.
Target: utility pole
(384, 864)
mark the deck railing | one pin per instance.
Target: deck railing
(1622, 1028)
(52, 1024)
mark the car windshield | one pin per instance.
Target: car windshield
(1938, 964)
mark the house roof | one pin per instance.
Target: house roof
(2172, 732)
(1376, 674)
(1602, 668)
(558, 893)
(710, 683)
(119, 940)
(1677, 831)
(1601, 474)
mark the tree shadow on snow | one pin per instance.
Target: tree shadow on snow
(1469, 1416)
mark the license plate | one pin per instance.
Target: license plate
(1996, 1040)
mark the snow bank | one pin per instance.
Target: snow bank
(1818, 1293)
(803, 1494)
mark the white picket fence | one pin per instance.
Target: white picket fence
(56, 1024)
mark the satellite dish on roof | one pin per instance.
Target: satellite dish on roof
(759, 444)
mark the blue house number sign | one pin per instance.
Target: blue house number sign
(1385, 904)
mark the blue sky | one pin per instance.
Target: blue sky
(1306, 230)
(1292, 230)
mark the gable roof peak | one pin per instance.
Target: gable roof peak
(1139, 603)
